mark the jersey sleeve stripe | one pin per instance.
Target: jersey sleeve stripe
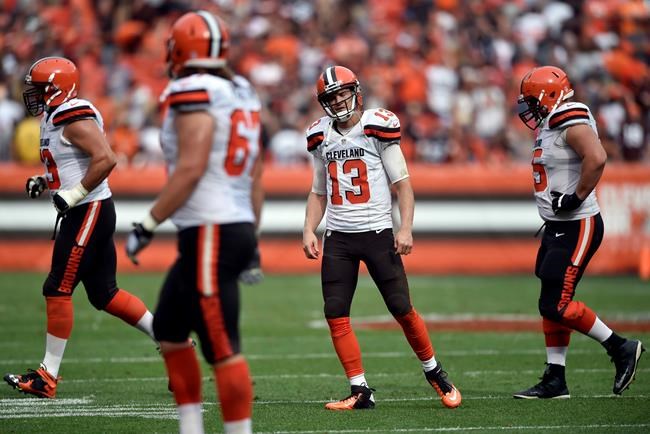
(382, 133)
(315, 140)
(189, 97)
(559, 119)
(73, 115)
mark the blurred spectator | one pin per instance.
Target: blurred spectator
(27, 142)
(450, 69)
(11, 112)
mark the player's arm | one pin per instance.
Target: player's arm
(395, 166)
(86, 135)
(315, 210)
(195, 132)
(584, 141)
(586, 144)
(257, 192)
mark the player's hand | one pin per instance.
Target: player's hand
(138, 239)
(403, 242)
(310, 245)
(65, 199)
(253, 274)
(565, 202)
(35, 186)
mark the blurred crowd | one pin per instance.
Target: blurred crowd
(450, 69)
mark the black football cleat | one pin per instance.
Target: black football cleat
(626, 359)
(552, 386)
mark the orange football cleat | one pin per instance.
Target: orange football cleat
(450, 396)
(39, 382)
(360, 399)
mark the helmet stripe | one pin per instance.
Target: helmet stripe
(215, 34)
(330, 76)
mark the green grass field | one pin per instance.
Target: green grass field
(114, 380)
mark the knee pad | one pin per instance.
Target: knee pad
(100, 298)
(398, 305)
(573, 310)
(336, 307)
(548, 301)
(549, 311)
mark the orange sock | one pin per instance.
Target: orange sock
(578, 316)
(235, 390)
(127, 307)
(184, 375)
(60, 316)
(346, 346)
(555, 334)
(416, 334)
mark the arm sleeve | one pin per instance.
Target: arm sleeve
(394, 163)
(318, 185)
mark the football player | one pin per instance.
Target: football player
(77, 160)
(568, 161)
(357, 159)
(210, 138)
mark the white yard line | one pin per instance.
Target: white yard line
(566, 428)
(303, 356)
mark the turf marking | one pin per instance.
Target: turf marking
(302, 356)
(566, 428)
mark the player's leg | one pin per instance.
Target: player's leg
(339, 275)
(64, 275)
(387, 271)
(556, 335)
(98, 270)
(226, 250)
(172, 323)
(560, 271)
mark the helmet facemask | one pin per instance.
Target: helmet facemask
(531, 112)
(328, 101)
(34, 98)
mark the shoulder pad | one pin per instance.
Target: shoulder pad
(316, 134)
(569, 114)
(381, 124)
(73, 110)
(188, 91)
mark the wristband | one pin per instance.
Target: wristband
(149, 223)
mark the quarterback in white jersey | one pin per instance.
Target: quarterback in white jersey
(210, 138)
(355, 170)
(568, 161)
(357, 158)
(77, 160)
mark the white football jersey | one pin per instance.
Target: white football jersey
(223, 195)
(65, 164)
(357, 185)
(556, 166)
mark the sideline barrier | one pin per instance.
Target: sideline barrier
(624, 196)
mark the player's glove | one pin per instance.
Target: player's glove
(35, 186)
(66, 199)
(253, 273)
(565, 202)
(140, 237)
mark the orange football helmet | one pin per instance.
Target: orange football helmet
(542, 91)
(51, 81)
(198, 39)
(330, 82)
